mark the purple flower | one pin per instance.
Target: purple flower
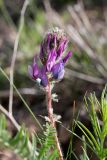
(51, 56)
(67, 57)
(58, 68)
(51, 60)
(54, 41)
(37, 73)
(58, 71)
(43, 77)
(33, 70)
(62, 47)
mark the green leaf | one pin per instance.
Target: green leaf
(88, 135)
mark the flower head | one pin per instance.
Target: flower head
(51, 56)
(53, 44)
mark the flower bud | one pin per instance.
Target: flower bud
(54, 41)
(51, 56)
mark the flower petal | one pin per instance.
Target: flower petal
(58, 71)
(43, 77)
(62, 47)
(51, 60)
(35, 70)
(67, 57)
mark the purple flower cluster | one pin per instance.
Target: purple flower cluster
(51, 57)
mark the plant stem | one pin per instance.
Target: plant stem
(10, 117)
(52, 120)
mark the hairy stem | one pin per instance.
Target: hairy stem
(52, 120)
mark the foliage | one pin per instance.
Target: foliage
(48, 145)
(44, 147)
(96, 140)
(84, 156)
(21, 144)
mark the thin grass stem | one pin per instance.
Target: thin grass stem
(15, 54)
